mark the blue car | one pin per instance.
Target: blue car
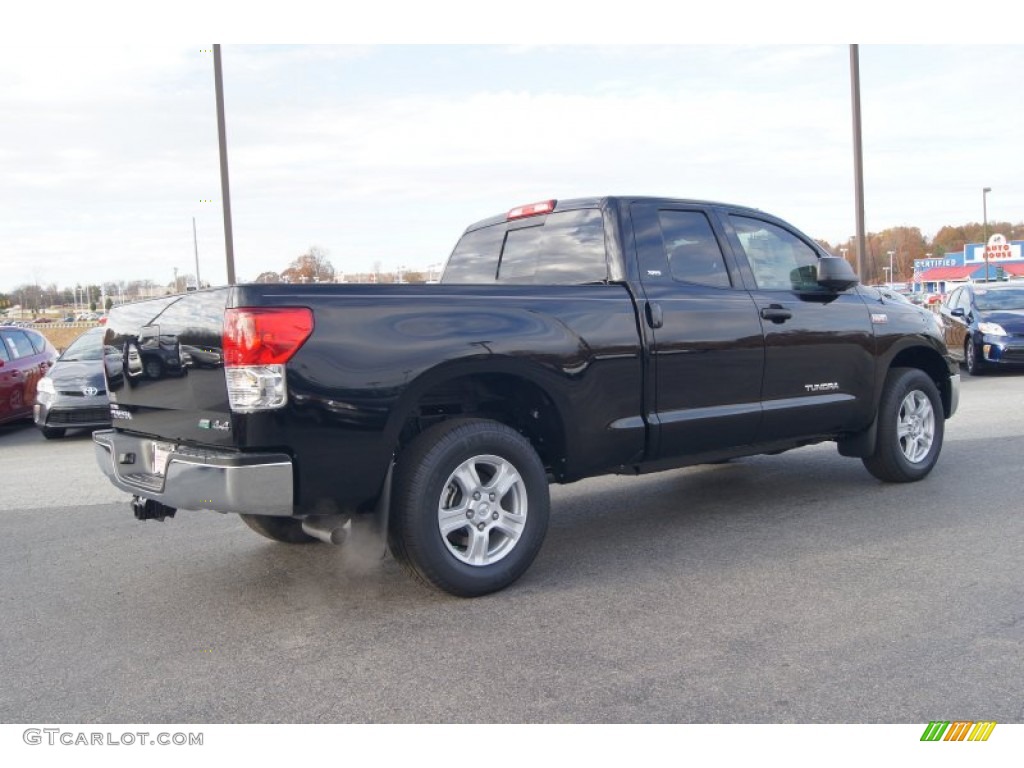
(984, 325)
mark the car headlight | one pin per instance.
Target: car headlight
(991, 329)
(45, 385)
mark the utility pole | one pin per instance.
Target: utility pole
(225, 192)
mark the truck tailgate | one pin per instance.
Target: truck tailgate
(171, 382)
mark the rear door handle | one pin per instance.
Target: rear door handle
(776, 313)
(655, 317)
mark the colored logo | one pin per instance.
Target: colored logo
(959, 730)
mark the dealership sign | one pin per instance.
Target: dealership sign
(929, 263)
(998, 248)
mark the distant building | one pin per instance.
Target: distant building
(937, 275)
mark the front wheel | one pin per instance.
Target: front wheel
(52, 433)
(971, 360)
(911, 424)
(469, 506)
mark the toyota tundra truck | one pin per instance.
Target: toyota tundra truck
(566, 339)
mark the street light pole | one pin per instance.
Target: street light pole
(858, 158)
(890, 266)
(984, 214)
(195, 243)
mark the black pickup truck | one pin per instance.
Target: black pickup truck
(567, 339)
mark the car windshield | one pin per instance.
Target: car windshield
(88, 346)
(1004, 298)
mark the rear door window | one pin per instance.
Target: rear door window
(692, 250)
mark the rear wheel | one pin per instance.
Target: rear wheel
(911, 424)
(283, 529)
(469, 508)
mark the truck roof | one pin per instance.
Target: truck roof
(605, 201)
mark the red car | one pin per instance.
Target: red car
(25, 357)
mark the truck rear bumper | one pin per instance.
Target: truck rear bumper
(193, 478)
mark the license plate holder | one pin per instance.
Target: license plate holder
(161, 454)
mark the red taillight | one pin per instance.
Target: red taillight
(533, 209)
(264, 336)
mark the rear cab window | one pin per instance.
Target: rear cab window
(559, 248)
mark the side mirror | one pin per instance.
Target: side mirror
(958, 312)
(836, 274)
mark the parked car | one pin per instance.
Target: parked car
(984, 325)
(25, 357)
(74, 394)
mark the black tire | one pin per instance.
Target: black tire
(52, 433)
(483, 475)
(284, 529)
(973, 365)
(910, 404)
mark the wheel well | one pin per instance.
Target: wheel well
(931, 363)
(511, 400)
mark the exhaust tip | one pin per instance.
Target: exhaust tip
(330, 529)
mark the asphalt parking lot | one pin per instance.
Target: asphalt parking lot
(782, 589)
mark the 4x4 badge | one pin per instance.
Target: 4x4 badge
(221, 426)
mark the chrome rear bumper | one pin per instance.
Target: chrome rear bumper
(194, 478)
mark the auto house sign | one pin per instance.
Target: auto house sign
(998, 248)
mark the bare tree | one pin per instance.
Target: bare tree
(311, 267)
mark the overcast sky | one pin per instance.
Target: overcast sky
(386, 153)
